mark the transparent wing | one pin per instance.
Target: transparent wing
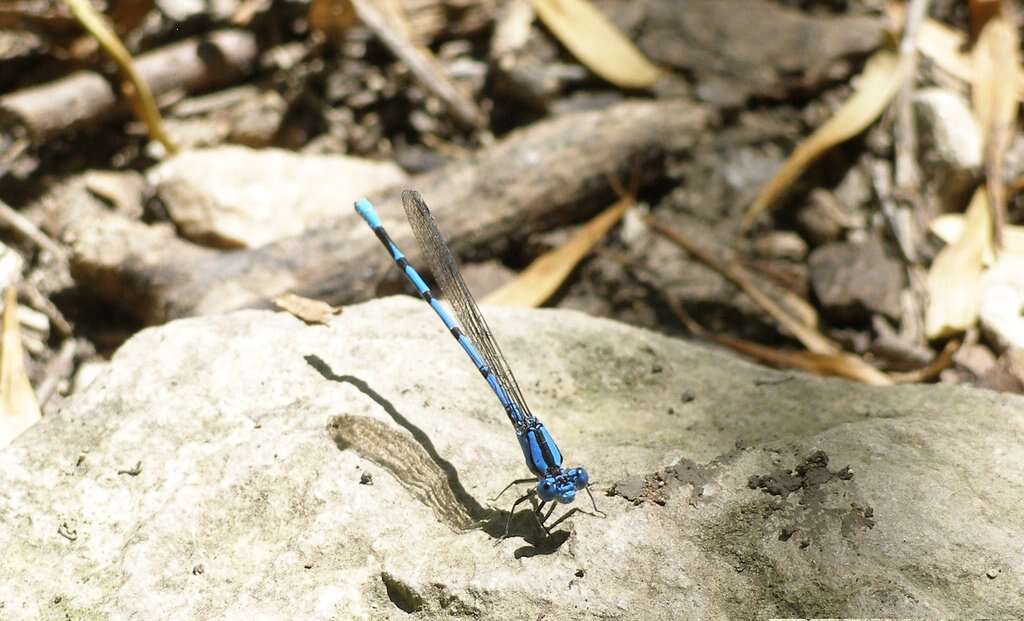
(446, 272)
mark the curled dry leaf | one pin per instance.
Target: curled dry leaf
(538, 282)
(954, 279)
(19, 409)
(309, 310)
(884, 73)
(596, 42)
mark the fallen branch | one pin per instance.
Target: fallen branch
(548, 174)
(86, 97)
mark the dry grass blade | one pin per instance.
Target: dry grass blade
(882, 77)
(994, 94)
(811, 339)
(837, 364)
(953, 282)
(307, 309)
(19, 409)
(596, 42)
(135, 88)
(538, 282)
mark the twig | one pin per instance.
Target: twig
(812, 340)
(908, 175)
(422, 64)
(824, 356)
(14, 220)
(44, 305)
(59, 368)
(85, 97)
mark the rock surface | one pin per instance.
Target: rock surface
(251, 466)
(238, 197)
(852, 280)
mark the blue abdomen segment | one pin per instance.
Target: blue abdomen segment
(365, 209)
(540, 451)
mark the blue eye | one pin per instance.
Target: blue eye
(546, 489)
(582, 479)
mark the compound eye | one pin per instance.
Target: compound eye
(547, 489)
(582, 479)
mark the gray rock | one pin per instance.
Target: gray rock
(852, 280)
(218, 469)
(238, 197)
(951, 147)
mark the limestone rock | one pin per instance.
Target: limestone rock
(250, 466)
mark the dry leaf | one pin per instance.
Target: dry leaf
(538, 282)
(950, 227)
(882, 77)
(994, 90)
(19, 409)
(596, 42)
(331, 17)
(954, 279)
(309, 310)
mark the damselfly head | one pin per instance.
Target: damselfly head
(562, 487)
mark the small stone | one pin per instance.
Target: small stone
(781, 245)
(976, 358)
(852, 280)
(824, 218)
(1001, 309)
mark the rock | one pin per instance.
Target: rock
(1001, 308)
(11, 266)
(1007, 375)
(234, 196)
(781, 245)
(751, 48)
(951, 130)
(229, 457)
(951, 146)
(852, 280)
(825, 217)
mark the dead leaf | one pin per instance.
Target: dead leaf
(333, 18)
(538, 282)
(954, 279)
(309, 310)
(884, 73)
(950, 227)
(19, 409)
(596, 42)
(994, 91)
